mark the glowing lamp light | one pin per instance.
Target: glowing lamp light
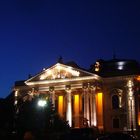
(139, 118)
(138, 78)
(42, 103)
(120, 65)
(16, 93)
(16, 102)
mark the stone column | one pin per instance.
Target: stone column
(52, 95)
(86, 105)
(93, 107)
(131, 118)
(85, 109)
(69, 108)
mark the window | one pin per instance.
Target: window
(116, 123)
(115, 102)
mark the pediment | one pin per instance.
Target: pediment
(59, 71)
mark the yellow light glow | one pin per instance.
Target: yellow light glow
(138, 112)
(76, 104)
(16, 102)
(100, 109)
(100, 100)
(138, 78)
(60, 105)
(76, 110)
(139, 118)
(16, 93)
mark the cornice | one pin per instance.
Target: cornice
(119, 78)
(58, 81)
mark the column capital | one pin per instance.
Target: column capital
(89, 86)
(16, 89)
(68, 88)
(130, 83)
(93, 87)
(51, 89)
(130, 86)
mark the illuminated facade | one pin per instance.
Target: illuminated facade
(88, 98)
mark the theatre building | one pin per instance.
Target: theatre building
(105, 96)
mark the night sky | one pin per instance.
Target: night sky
(34, 33)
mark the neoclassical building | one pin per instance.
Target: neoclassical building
(105, 96)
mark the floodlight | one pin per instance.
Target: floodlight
(42, 103)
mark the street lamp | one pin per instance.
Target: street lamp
(42, 103)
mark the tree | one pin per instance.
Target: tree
(39, 120)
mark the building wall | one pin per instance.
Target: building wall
(126, 112)
(86, 105)
(111, 89)
(83, 99)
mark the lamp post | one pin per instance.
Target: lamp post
(42, 103)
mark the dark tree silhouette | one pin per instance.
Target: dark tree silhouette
(39, 120)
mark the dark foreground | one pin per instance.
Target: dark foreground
(73, 134)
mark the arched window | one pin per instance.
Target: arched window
(115, 102)
(116, 123)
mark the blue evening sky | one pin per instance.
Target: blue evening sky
(34, 33)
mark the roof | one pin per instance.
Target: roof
(117, 67)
